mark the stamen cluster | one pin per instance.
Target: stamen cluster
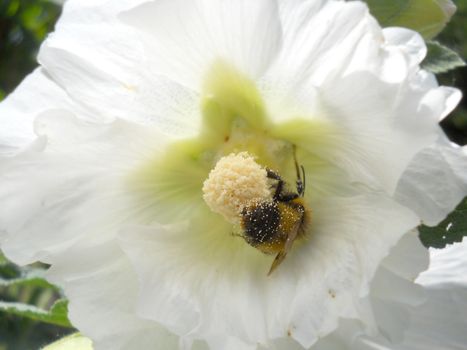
(235, 182)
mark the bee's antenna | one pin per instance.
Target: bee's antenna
(300, 176)
(296, 163)
(304, 181)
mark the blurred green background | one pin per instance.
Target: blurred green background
(24, 24)
(454, 36)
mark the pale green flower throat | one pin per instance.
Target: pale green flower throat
(235, 122)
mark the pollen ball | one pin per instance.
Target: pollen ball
(235, 182)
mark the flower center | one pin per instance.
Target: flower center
(243, 164)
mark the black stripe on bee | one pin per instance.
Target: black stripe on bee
(261, 222)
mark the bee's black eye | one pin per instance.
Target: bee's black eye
(260, 222)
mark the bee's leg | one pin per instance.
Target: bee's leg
(286, 197)
(234, 234)
(280, 183)
(277, 261)
(272, 175)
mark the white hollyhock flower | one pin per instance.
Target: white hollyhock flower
(106, 147)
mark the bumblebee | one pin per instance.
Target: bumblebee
(273, 226)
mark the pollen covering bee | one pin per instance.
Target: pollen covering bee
(273, 226)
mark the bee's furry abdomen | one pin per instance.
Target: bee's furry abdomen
(261, 222)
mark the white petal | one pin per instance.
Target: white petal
(368, 246)
(435, 181)
(392, 299)
(385, 110)
(107, 77)
(409, 41)
(36, 94)
(73, 183)
(285, 343)
(436, 322)
(229, 343)
(408, 258)
(102, 290)
(84, 82)
(104, 97)
(212, 284)
(84, 27)
(440, 322)
(186, 38)
(392, 296)
(319, 38)
(323, 39)
(444, 99)
(440, 99)
(447, 266)
(390, 54)
(442, 318)
(376, 128)
(393, 292)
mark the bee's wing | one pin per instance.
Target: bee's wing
(288, 244)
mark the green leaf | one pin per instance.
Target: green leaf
(8, 270)
(449, 231)
(428, 17)
(72, 342)
(12, 275)
(13, 8)
(57, 314)
(441, 59)
(31, 278)
(3, 260)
